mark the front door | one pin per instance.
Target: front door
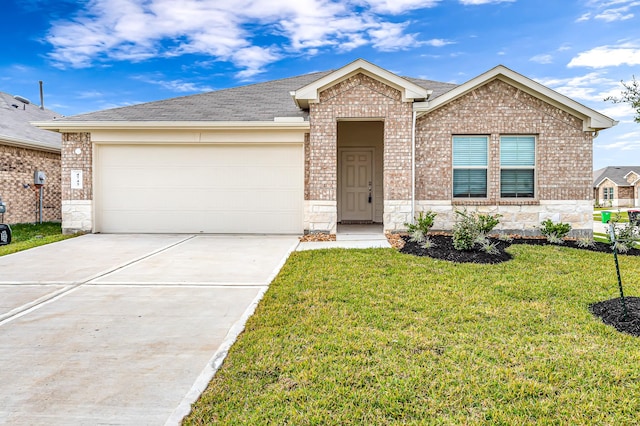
(356, 180)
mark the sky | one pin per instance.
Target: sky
(98, 54)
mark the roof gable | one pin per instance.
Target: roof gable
(311, 92)
(592, 120)
(615, 174)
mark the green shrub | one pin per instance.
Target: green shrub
(554, 232)
(472, 228)
(422, 226)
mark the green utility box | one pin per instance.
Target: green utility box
(606, 216)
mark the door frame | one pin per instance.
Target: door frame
(372, 151)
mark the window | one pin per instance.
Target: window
(517, 166)
(608, 193)
(469, 166)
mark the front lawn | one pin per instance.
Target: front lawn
(378, 337)
(29, 235)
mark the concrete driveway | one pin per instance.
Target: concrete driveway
(124, 329)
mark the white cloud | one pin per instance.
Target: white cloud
(629, 141)
(480, 2)
(179, 86)
(438, 42)
(607, 56)
(390, 37)
(610, 11)
(542, 59)
(398, 6)
(592, 87)
(136, 30)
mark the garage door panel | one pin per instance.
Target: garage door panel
(199, 188)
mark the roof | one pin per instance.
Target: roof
(16, 129)
(592, 120)
(260, 102)
(616, 174)
(311, 92)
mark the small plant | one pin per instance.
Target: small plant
(488, 247)
(472, 229)
(422, 226)
(555, 232)
(585, 242)
(505, 237)
(427, 243)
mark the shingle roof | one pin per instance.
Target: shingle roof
(255, 102)
(15, 127)
(615, 173)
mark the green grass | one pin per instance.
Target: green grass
(377, 337)
(28, 235)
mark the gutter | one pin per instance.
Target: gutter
(6, 140)
(278, 123)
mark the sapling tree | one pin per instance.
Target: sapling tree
(630, 95)
(622, 238)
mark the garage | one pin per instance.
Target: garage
(199, 188)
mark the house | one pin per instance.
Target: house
(355, 145)
(617, 186)
(25, 149)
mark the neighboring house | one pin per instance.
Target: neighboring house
(25, 149)
(617, 186)
(355, 145)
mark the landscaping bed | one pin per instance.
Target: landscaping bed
(442, 248)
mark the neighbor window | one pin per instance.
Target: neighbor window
(517, 166)
(470, 166)
(608, 193)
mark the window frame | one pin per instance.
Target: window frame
(455, 167)
(608, 190)
(529, 167)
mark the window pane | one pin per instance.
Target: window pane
(469, 150)
(517, 151)
(470, 183)
(516, 183)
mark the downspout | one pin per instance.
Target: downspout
(413, 166)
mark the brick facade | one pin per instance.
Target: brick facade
(358, 97)
(563, 155)
(17, 166)
(77, 154)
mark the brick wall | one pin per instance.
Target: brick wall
(17, 166)
(563, 171)
(77, 204)
(563, 151)
(359, 97)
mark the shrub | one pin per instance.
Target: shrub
(422, 226)
(555, 232)
(585, 242)
(472, 229)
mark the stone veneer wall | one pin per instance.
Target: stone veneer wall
(563, 159)
(358, 97)
(17, 166)
(77, 210)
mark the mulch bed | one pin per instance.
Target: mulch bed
(611, 313)
(442, 248)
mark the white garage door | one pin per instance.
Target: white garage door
(199, 188)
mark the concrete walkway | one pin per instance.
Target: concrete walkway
(124, 329)
(352, 236)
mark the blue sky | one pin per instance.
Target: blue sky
(97, 54)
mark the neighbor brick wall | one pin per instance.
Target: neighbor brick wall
(359, 97)
(17, 166)
(563, 151)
